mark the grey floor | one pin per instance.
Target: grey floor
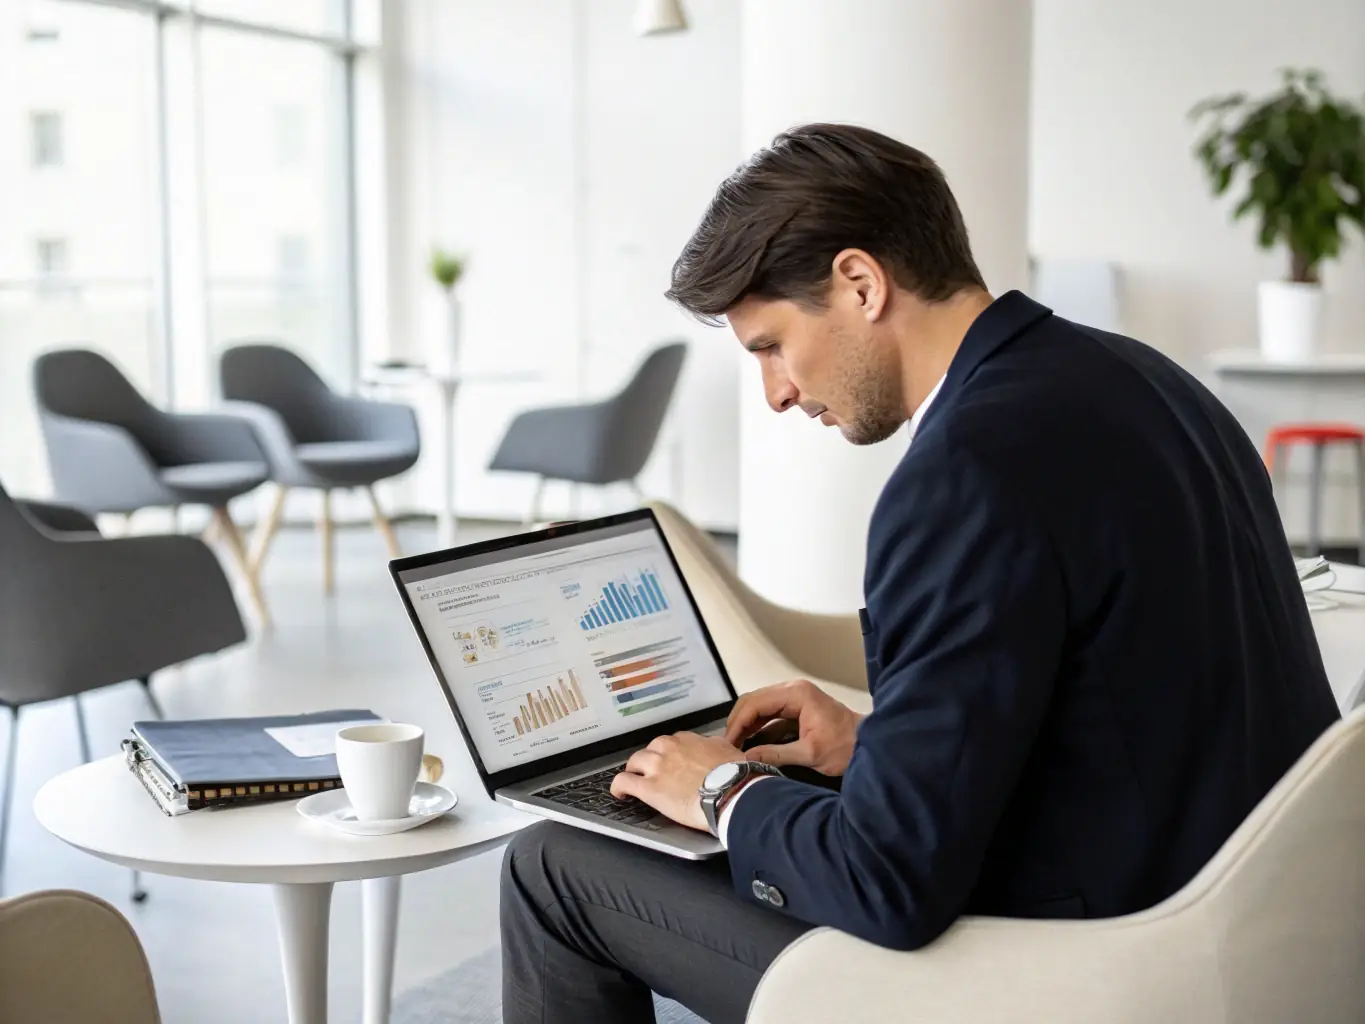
(212, 946)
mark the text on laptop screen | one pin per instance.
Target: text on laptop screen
(564, 642)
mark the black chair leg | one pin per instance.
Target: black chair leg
(146, 682)
(11, 748)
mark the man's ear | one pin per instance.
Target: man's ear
(862, 278)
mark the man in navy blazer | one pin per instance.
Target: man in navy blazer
(1088, 651)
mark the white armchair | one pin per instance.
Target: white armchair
(1272, 930)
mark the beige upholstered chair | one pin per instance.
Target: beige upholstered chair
(761, 642)
(1271, 931)
(69, 958)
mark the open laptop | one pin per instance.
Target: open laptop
(561, 653)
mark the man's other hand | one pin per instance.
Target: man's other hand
(667, 774)
(826, 729)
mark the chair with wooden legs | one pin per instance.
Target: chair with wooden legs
(110, 450)
(315, 438)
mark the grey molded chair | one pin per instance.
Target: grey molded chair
(316, 438)
(67, 957)
(110, 450)
(599, 443)
(79, 612)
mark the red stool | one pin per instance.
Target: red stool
(1320, 435)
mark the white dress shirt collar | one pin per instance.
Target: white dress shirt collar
(924, 407)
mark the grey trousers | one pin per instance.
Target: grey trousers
(591, 924)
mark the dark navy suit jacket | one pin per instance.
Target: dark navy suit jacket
(1088, 651)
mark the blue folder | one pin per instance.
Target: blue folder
(194, 763)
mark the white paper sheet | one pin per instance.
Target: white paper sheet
(313, 740)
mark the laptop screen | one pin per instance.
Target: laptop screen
(565, 641)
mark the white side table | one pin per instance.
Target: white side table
(449, 384)
(1261, 393)
(101, 808)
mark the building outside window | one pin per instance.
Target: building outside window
(48, 149)
(52, 259)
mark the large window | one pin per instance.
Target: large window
(276, 202)
(77, 246)
(178, 175)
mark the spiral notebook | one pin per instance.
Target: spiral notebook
(216, 762)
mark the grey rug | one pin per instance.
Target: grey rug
(472, 994)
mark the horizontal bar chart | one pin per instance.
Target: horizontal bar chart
(645, 677)
(649, 705)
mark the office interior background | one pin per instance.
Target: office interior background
(178, 177)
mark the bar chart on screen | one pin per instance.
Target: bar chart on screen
(648, 676)
(542, 706)
(632, 595)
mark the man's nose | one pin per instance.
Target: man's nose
(779, 390)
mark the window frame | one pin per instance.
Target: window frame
(181, 296)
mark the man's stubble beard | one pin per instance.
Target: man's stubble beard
(873, 389)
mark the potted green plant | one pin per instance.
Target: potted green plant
(1296, 160)
(447, 269)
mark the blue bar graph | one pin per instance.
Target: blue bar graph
(629, 596)
(617, 605)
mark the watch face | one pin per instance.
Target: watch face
(722, 775)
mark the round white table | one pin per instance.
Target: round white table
(101, 808)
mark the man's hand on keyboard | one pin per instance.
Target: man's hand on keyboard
(826, 730)
(667, 774)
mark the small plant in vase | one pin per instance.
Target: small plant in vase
(1297, 159)
(446, 270)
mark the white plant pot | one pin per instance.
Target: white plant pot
(1290, 320)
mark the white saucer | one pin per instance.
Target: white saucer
(334, 808)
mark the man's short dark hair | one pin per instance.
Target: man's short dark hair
(775, 225)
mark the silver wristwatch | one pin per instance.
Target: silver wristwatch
(722, 782)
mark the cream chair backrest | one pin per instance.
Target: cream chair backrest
(1285, 897)
(762, 642)
(749, 655)
(1271, 931)
(67, 957)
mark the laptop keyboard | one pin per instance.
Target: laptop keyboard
(592, 793)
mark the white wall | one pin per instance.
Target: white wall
(1112, 173)
(500, 159)
(949, 78)
(571, 159)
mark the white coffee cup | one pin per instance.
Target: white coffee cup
(379, 765)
